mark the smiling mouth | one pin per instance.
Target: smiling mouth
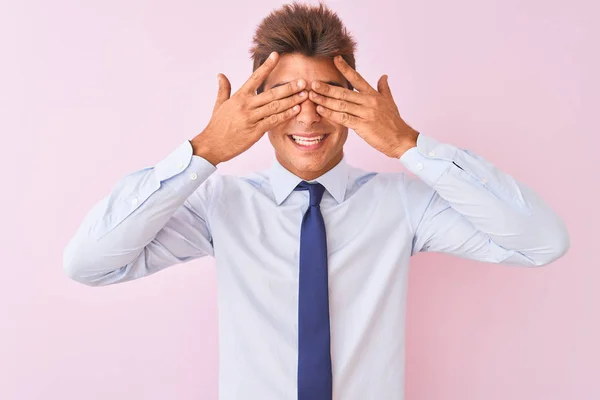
(308, 144)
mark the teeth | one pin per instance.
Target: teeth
(301, 140)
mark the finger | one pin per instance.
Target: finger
(224, 92)
(261, 73)
(340, 105)
(275, 119)
(339, 93)
(383, 86)
(353, 76)
(348, 120)
(277, 93)
(277, 106)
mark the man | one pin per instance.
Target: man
(312, 254)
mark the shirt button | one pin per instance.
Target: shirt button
(432, 154)
(483, 180)
(134, 201)
(420, 166)
(193, 176)
(180, 165)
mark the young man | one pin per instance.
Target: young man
(312, 254)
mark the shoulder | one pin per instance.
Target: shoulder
(220, 185)
(380, 182)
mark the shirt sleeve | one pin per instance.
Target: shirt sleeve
(152, 218)
(461, 204)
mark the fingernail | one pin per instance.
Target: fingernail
(316, 85)
(272, 56)
(301, 83)
(302, 93)
(295, 108)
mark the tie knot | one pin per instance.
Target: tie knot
(316, 191)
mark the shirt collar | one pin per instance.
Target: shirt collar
(283, 182)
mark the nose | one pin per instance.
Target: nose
(308, 113)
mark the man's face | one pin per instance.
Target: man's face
(304, 159)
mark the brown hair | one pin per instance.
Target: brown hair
(313, 31)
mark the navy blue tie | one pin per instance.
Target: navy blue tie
(314, 355)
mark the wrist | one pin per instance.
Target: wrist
(201, 149)
(408, 142)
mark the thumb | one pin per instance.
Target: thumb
(383, 87)
(224, 91)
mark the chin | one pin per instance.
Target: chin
(308, 163)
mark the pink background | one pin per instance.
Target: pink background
(93, 91)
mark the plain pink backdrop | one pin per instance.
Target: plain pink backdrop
(94, 90)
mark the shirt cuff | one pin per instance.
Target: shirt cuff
(182, 169)
(429, 160)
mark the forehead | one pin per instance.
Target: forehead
(296, 66)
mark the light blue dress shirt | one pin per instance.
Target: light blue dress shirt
(180, 209)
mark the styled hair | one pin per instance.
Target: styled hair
(309, 30)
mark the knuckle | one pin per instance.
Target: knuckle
(344, 117)
(272, 95)
(274, 106)
(344, 95)
(273, 119)
(342, 105)
(290, 88)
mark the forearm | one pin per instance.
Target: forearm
(116, 230)
(508, 212)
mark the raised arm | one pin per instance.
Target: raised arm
(159, 216)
